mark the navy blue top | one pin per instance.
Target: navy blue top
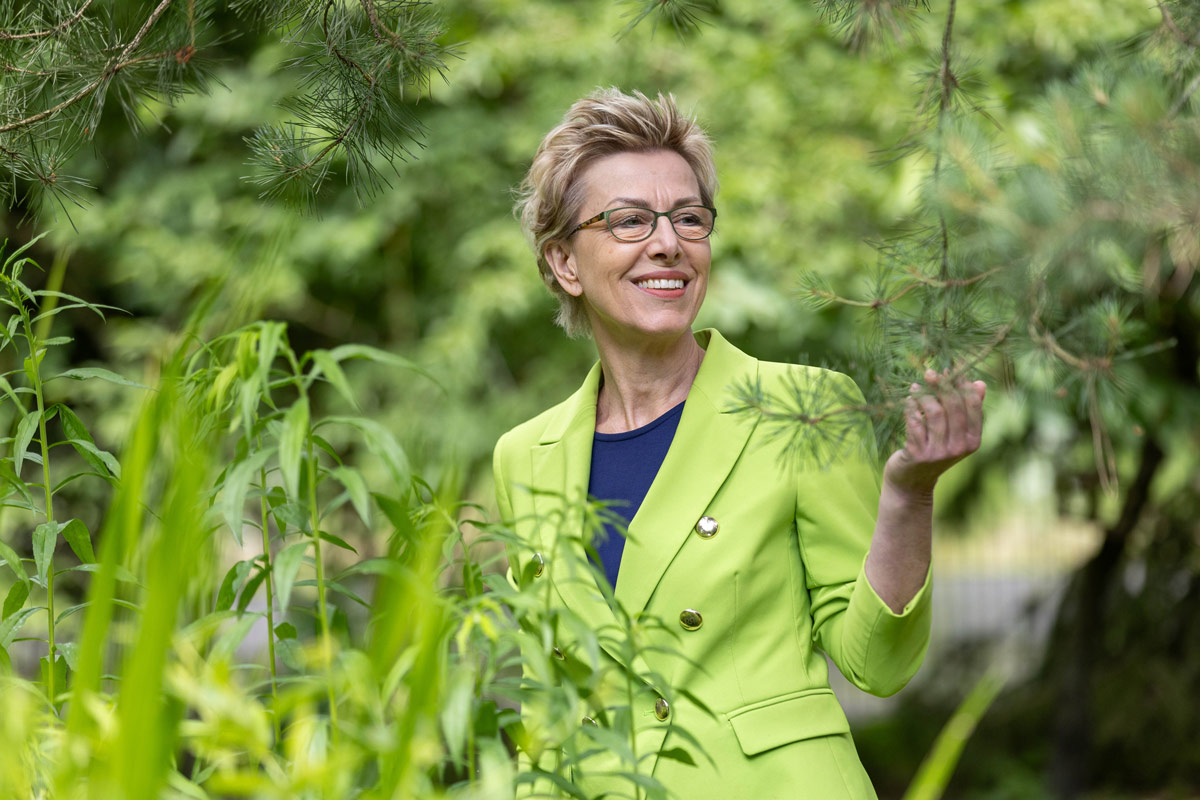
(623, 467)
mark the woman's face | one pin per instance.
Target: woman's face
(635, 290)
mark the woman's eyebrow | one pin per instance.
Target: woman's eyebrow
(633, 201)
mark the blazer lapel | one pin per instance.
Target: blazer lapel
(560, 470)
(707, 444)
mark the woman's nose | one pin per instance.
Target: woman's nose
(664, 242)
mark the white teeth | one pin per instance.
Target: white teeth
(671, 283)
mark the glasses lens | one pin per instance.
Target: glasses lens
(692, 222)
(630, 224)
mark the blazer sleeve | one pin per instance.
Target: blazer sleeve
(876, 649)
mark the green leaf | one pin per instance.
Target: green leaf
(285, 630)
(325, 363)
(356, 487)
(351, 351)
(338, 542)
(66, 612)
(122, 573)
(77, 536)
(250, 589)
(340, 588)
(229, 639)
(268, 345)
(60, 674)
(45, 538)
(286, 565)
(15, 599)
(10, 477)
(14, 562)
(290, 653)
(291, 445)
(30, 365)
(456, 709)
(99, 373)
(226, 594)
(383, 443)
(372, 566)
(72, 425)
(80, 439)
(77, 301)
(237, 483)
(25, 430)
(292, 514)
(10, 625)
(70, 653)
(678, 754)
(99, 460)
(57, 340)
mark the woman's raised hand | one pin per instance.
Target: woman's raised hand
(943, 423)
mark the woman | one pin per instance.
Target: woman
(757, 561)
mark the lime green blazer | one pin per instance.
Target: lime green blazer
(749, 607)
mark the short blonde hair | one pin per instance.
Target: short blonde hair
(604, 123)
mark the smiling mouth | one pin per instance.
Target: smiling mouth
(669, 283)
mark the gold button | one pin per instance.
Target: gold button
(662, 709)
(541, 565)
(559, 654)
(690, 619)
(707, 527)
(590, 721)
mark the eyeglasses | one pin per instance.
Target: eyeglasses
(636, 224)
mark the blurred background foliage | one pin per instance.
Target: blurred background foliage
(810, 136)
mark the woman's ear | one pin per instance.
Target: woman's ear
(563, 264)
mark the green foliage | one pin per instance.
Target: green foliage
(374, 682)
(63, 61)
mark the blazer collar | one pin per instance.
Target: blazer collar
(707, 443)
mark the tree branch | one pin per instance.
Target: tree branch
(62, 26)
(109, 71)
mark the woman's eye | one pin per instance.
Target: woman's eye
(687, 219)
(631, 220)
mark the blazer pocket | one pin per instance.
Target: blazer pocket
(788, 718)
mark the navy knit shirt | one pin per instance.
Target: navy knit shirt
(623, 467)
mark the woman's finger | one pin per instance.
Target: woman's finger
(974, 395)
(935, 421)
(955, 405)
(915, 433)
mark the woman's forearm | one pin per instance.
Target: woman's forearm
(900, 548)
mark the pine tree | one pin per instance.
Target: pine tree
(359, 67)
(1065, 275)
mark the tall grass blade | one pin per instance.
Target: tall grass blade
(938, 767)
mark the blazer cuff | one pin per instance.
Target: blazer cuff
(884, 649)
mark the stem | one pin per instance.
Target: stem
(322, 609)
(944, 103)
(36, 380)
(266, 545)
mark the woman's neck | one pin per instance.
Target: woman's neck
(641, 383)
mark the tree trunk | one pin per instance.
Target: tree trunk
(1081, 626)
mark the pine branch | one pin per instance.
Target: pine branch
(112, 69)
(59, 28)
